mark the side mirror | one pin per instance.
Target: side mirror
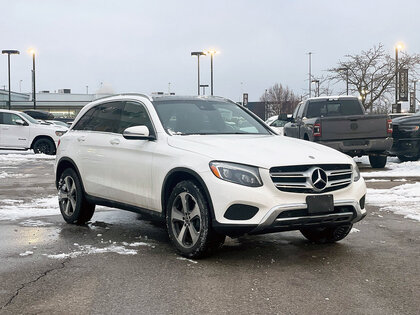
(137, 133)
(19, 122)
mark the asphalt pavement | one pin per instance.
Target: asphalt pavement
(121, 264)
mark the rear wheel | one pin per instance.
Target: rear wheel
(189, 223)
(329, 234)
(377, 161)
(73, 205)
(45, 146)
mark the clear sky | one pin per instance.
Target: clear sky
(141, 46)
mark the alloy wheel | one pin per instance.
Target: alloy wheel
(67, 195)
(186, 219)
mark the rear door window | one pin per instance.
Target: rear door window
(103, 118)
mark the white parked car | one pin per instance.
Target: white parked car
(207, 166)
(22, 132)
(276, 124)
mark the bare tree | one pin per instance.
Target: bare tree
(279, 100)
(371, 74)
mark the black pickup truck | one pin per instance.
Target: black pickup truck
(406, 134)
(340, 122)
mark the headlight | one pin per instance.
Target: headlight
(237, 173)
(59, 133)
(356, 173)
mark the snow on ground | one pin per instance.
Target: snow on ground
(18, 209)
(403, 199)
(34, 223)
(11, 158)
(89, 249)
(393, 168)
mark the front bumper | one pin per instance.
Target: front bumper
(360, 147)
(279, 210)
(406, 146)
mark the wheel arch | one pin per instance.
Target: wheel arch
(177, 175)
(62, 165)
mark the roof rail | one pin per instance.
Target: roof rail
(123, 94)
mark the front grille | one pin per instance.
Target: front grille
(297, 178)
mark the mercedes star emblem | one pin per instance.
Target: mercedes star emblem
(319, 179)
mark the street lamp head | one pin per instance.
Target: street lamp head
(31, 51)
(10, 52)
(211, 52)
(399, 46)
(343, 69)
(197, 53)
(315, 81)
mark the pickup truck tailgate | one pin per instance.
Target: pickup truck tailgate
(354, 127)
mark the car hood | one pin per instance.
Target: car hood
(50, 127)
(406, 120)
(259, 150)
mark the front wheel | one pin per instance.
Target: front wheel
(189, 223)
(73, 205)
(45, 146)
(377, 161)
(328, 234)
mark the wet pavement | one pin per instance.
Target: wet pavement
(119, 263)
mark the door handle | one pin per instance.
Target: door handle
(114, 141)
(81, 138)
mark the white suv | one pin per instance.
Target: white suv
(206, 165)
(22, 132)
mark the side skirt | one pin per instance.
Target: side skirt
(148, 214)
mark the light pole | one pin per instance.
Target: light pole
(32, 52)
(347, 78)
(198, 54)
(9, 52)
(398, 47)
(310, 74)
(204, 86)
(20, 85)
(415, 90)
(211, 52)
(317, 87)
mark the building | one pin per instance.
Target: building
(62, 103)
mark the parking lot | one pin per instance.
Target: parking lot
(119, 263)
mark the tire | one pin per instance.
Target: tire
(189, 222)
(377, 161)
(73, 205)
(45, 146)
(328, 234)
(404, 158)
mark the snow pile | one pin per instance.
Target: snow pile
(403, 199)
(24, 157)
(17, 209)
(8, 175)
(393, 168)
(89, 249)
(34, 223)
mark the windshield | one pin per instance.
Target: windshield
(29, 118)
(340, 107)
(200, 116)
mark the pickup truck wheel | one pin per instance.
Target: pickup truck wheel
(377, 161)
(45, 146)
(327, 234)
(73, 204)
(189, 223)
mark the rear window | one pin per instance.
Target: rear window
(329, 108)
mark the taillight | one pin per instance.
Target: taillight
(389, 126)
(317, 130)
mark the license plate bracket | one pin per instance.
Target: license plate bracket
(320, 204)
